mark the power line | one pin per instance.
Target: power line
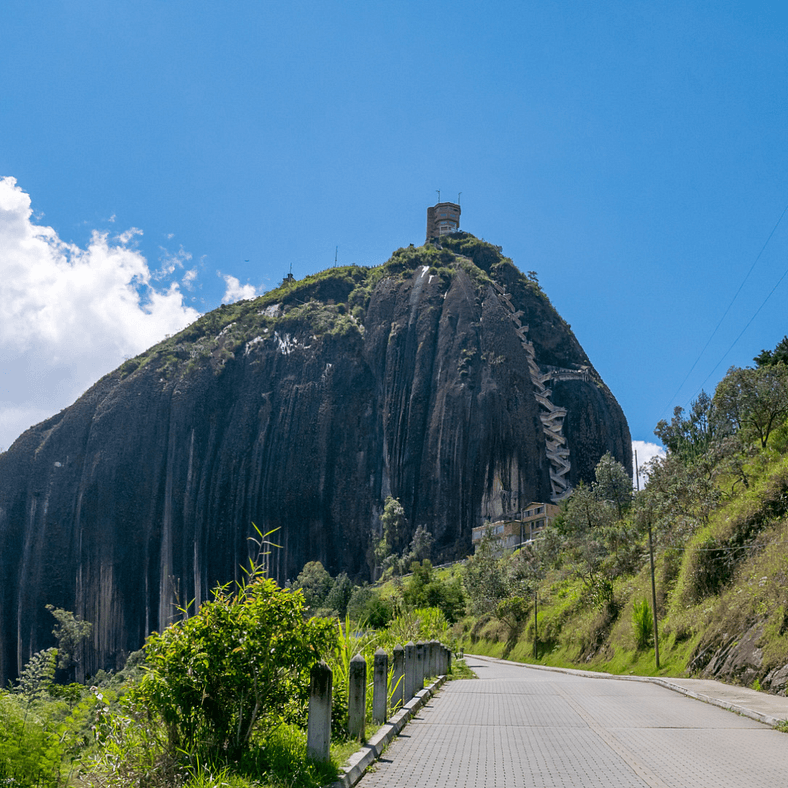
(779, 281)
(725, 314)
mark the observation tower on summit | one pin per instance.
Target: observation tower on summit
(442, 219)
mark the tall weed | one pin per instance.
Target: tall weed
(642, 624)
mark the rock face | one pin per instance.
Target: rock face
(438, 378)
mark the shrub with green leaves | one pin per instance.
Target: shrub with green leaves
(642, 624)
(232, 668)
(30, 752)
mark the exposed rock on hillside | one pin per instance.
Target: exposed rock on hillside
(443, 377)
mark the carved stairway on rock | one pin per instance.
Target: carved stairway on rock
(551, 415)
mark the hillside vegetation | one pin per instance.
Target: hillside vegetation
(716, 506)
(219, 698)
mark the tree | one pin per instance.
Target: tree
(484, 577)
(754, 401)
(368, 607)
(613, 484)
(216, 676)
(779, 355)
(680, 496)
(692, 436)
(315, 584)
(513, 612)
(583, 528)
(38, 675)
(426, 589)
(339, 595)
(70, 632)
(395, 525)
(393, 539)
(421, 545)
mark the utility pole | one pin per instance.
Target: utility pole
(536, 627)
(651, 562)
(653, 593)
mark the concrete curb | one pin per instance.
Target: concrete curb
(723, 704)
(360, 761)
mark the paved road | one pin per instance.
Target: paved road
(517, 726)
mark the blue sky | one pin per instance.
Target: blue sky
(633, 154)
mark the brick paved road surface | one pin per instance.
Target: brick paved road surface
(519, 727)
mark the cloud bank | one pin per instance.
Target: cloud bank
(70, 315)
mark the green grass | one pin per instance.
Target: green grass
(460, 671)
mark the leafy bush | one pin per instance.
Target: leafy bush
(642, 624)
(217, 676)
(426, 589)
(315, 584)
(132, 748)
(336, 603)
(368, 607)
(30, 753)
(709, 569)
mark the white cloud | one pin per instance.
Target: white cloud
(171, 262)
(188, 278)
(236, 291)
(645, 452)
(70, 315)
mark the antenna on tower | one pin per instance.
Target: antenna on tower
(439, 194)
(336, 252)
(458, 198)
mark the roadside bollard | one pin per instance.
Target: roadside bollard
(318, 737)
(410, 671)
(380, 693)
(357, 697)
(420, 666)
(398, 679)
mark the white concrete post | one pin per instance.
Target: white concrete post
(357, 697)
(420, 666)
(318, 736)
(380, 687)
(398, 679)
(410, 671)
